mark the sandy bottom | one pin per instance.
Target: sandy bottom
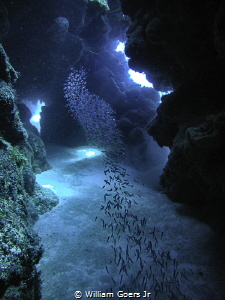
(113, 236)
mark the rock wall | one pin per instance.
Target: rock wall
(21, 198)
(180, 45)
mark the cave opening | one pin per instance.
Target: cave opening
(100, 130)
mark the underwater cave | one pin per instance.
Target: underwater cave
(112, 149)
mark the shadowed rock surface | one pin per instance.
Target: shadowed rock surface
(21, 198)
(181, 48)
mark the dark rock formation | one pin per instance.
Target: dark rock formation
(4, 26)
(21, 199)
(39, 162)
(47, 38)
(181, 47)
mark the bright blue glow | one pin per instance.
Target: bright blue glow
(89, 153)
(164, 93)
(36, 117)
(120, 47)
(82, 153)
(139, 78)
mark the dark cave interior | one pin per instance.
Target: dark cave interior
(178, 138)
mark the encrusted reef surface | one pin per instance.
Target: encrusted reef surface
(180, 45)
(21, 199)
